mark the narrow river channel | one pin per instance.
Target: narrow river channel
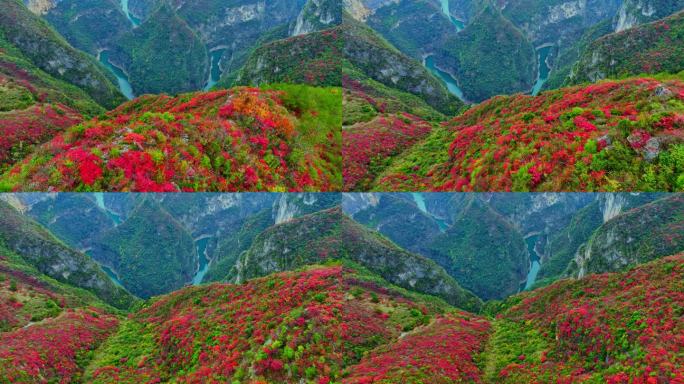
(214, 69)
(203, 260)
(534, 258)
(544, 70)
(121, 78)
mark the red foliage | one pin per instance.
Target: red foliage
(367, 146)
(48, 351)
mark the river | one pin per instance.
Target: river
(111, 275)
(121, 77)
(450, 82)
(419, 199)
(447, 11)
(534, 257)
(544, 70)
(99, 200)
(203, 261)
(214, 69)
(124, 7)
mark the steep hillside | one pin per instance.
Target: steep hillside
(368, 57)
(369, 147)
(313, 325)
(34, 106)
(40, 249)
(564, 244)
(635, 237)
(483, 252)
(314, 58)
(47, 328)
(635, 12)
(615, 135)
(317, 15)
(613, 328)
(162, 55)
(399, 219)
(285, 207)
(489, 57)
(150, 251)
(55, 349)
(50, 52)
(282, 138)
(330, 235)
(649, 48)
(89, 25)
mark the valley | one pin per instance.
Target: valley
(121, 77)
(321, 293)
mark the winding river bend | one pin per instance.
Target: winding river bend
(131, 18)
(99, 200)
(214, 69)
(429, 61)
(203, 262)
(534, 257)
(544, 70)
(448, 80)
(419, 199)
(121, 78)
(447, 11)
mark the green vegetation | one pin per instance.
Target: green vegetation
(162, 55)
(151, 252)
(48, 51)
(652, 48)
(483, 252)
(489, 57)
(39, 248)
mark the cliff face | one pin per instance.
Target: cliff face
(317, 15)
(635, 12)
(635, 237)
(648, 48)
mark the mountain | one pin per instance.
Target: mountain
(563, 244)
(169, 46)
(89, 25)
(497, 244)
(314, 324)
(638, 236)
(276, 138)
(645, 49)
(613, 135)
(635, 12)
(317, 15)
(163, 54)
(613, 328)
(483, 252)
(47, 50)
(313, 58)
(151, 252)
(491, 56)
(330, 235)
(369, 58)
(40, 249)
(284, 208)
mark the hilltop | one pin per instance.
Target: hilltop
(281, 137)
